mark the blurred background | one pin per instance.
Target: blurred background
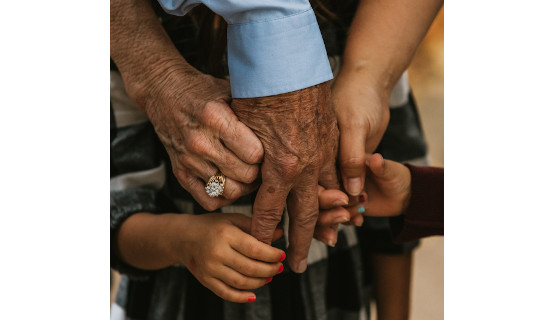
(426, 76)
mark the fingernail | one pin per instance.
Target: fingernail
(340, 203)
(301, 267)
(354, 186)
(361, 209)
(251, 299)
(359, 223)
(283, 256)
(362, 198)
(341, 220)
(331, 244)
(268, 280)
(280, 269)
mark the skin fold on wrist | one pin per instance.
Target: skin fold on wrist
(364, 72)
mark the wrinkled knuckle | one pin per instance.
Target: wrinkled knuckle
(264, 227)
(215, 119)
(251, 174)
(356, 123)
(352, 162)
(318, 160)
(255, 154)
(307, 220)
(186, 180)
(232, 193)
(198, 144)
(210, 112)
(270, 218)
(289, 165)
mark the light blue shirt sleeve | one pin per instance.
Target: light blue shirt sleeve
(273, 46)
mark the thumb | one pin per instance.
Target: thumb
(382, 169)
(352, 160)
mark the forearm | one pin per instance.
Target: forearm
(141, 48)
(144, 240)
(424, 216)
(384, 36)
(392, 275)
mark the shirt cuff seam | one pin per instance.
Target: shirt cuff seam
(239, 24)
(280, 90)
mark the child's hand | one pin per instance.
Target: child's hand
(386, 193)
(221, 254)
(387, 189)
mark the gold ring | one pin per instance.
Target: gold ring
(215, 185)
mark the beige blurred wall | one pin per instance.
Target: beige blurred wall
(427, 80)
(426, 75)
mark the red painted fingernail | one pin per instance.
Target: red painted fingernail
(283, 256)
(362, 198)
(268, 280)
(280, 269)
(252, 299)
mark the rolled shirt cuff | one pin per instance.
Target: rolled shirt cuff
(276, 56)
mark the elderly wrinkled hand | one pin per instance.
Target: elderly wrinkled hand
(202, 135)
(299, 134)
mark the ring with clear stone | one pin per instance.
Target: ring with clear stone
(216, 185)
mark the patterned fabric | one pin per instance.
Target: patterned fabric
(337, 282)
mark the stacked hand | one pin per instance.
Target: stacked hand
(386, 194)
(226, 259)
(363, 115)
(216, 248)
(202, 135)
(299, 134)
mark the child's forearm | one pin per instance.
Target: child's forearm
(145, 240)
(392, 275)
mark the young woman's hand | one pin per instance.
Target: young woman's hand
(363, 115)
